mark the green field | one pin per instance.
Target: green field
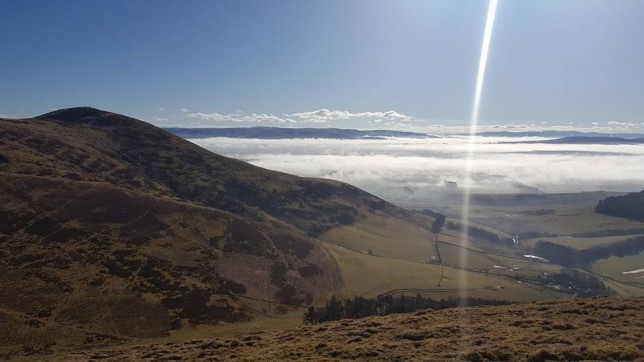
(369, 276)
(562, 221)
(581, 243)
(398, 260)
(618, 268)
(568, 215)
(493, 263)
(380, 235)
(556, 214)
(378, 253)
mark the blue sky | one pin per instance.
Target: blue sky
(365, 64)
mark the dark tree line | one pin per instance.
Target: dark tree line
(473, 231)
(437, 225)
(360, 307)
(584, 284)
(573, 258)
(610, 232)
(630, 206)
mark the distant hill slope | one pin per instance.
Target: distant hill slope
(558, 134)
(588, 329)
(291, 133)
(112, 229)
(574, 140)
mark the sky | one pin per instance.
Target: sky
(387, 64)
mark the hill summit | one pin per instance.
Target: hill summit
(75, 114)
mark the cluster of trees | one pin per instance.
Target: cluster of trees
(630, 206)
(608, 232)
(437, 225)
(573, 258)
(480, 233)
(360, 307)
(632, 246)
(584, 284)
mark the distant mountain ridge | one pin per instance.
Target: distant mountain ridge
(587, 140)
(262, 132)
(558, 134)
(292, 133)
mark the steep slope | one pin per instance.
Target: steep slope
(85, 144)
(112, 229)
(588, 329)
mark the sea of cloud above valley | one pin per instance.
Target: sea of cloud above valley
(396, 168)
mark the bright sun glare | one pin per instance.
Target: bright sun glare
(485, 48)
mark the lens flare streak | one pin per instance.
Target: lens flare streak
(485, 49)
(465, 212)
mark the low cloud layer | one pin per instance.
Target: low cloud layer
(395, 168)
(391, 119)
(241, 118)
(319, 116)
(325, 115)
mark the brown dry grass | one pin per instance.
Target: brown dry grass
(587, 329)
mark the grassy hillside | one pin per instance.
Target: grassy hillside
(589, 329)
(564, 219)
(379, 254)
(625, 269)
(381, 235)
(581, 243)
(85, 144)
(560, 214)
(366, 275)
(112, 230)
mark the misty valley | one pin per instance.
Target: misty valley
(529, 195)
(119, 232)
(413, 171)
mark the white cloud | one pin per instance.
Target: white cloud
(617, 123)
(461, 129)
(239, 118)
(318, 116)
(324, 115)
(393, 120)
